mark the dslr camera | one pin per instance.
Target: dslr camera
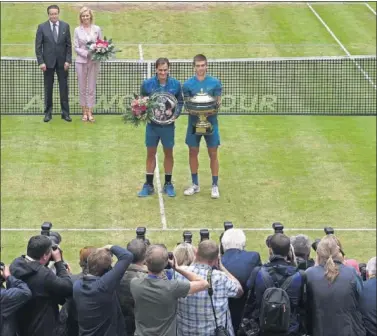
(55, 238)
(363, 271)
(328, 230)
(227, 225)
(187, 237)
(278, 228)
(140, 234)
(204, 234)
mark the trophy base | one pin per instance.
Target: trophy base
(202, 130)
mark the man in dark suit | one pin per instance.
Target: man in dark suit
(54, 53)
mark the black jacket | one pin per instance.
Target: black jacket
(38, 317)
(11, 299)
(49, 52)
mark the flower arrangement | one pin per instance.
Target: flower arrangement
(140, 111)
(102, 50)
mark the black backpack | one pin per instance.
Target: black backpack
(275, 309)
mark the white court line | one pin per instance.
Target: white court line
(370, 7)
(141, 55)
(342, 46)
(160, 198)
(188, 229)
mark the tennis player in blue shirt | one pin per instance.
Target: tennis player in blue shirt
(211, 86)
(161, 82)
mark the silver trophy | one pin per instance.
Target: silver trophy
(202, 105)
(163, 105)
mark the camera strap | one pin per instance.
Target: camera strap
(210, 293)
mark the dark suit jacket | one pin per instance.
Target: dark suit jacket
(49, 52)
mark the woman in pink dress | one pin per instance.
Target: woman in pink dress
(87, 70)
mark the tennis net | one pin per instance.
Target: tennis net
(310, 85)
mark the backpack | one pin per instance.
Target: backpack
(275, 309)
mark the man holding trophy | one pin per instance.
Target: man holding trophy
(165, 94)
(202, 94)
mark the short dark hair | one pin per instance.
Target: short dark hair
(280, 244)
(161, 61)
(53, 7)
(156, 258)
(199, 58)
(99, 262)
(138, 248)
(38, 246)
(208, 250)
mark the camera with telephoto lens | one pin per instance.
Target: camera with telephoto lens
(55, 238)
(328, 230)
(187, 237)
(170, 257)
(363, 271)
(204, 234)
(227, 225)
(140, 234)
(278, 228)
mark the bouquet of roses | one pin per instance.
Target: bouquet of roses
(102, 50)
(140, 111)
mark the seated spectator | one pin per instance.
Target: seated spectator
(95, 296)
(239, 263)
(195, 315)
(184, 254)
(368, 299)
(333, 292)
(68, 324)
(277, 273)
(39, 316)
(12, 298)
(156, 297)
(301, 245)
(136, 270)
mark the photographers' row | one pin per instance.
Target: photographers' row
(212, 289)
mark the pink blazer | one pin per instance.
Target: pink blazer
(81, 37)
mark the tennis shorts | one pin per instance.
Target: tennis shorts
(154, 133)
(193, 140)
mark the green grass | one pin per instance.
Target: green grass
(304, 171)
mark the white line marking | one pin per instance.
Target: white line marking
(342, 46)
(188, 229)
(160, 198)
(374, 12)
(141, 55)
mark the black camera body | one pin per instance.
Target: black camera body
(278, 227)
(187, 237)
(55, 237)
(204, 234)
(363, 271)
(140, 234)
(228, 225)
(2, 266)
(328, 230)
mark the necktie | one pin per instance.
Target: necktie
(55, 33)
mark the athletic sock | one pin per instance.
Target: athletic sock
(167, 178)
(149, 179)
(195, 179)
(215, 179)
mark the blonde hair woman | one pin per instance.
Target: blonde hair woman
(184, 254)
(333, 293)
(87, 70)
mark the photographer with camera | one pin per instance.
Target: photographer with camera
(301, 246)
(95, 295)
(136, 270)
(368, 299)
(333, 293)
(16, 294)
(39, 316)
(240, 263)
(196, 313)
(276, 300)
(156, 298)
(184, 254)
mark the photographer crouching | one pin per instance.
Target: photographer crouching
(16, 294)
(39, 316)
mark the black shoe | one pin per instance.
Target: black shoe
(47, 118)
(67, 118)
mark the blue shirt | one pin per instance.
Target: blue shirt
(172, 85)
(210, 85)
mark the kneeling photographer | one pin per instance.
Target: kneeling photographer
(16, 294)
(38, 317)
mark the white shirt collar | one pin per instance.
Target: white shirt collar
(52, 25)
